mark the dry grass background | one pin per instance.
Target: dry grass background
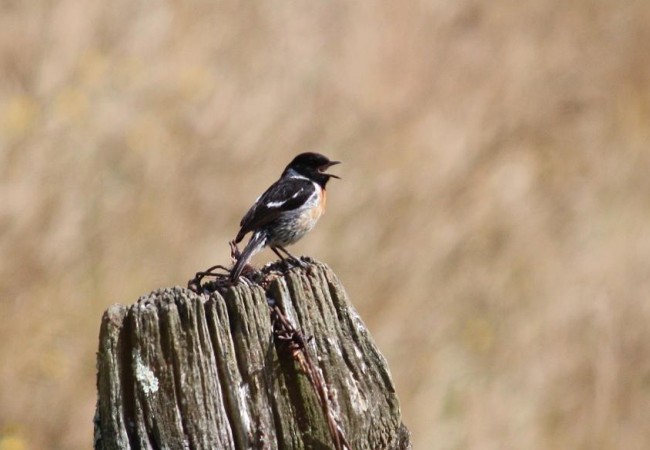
(492, 226)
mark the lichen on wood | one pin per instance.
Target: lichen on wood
(203, 371)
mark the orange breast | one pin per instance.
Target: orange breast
(319, 210)
(323, 201)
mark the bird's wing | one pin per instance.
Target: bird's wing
(286, 194)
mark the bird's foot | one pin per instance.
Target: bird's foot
(290, 263)
(299, 262)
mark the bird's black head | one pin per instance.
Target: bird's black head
(312, 166)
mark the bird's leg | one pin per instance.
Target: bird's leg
(293, 258)
(295, 261)
(284, 261)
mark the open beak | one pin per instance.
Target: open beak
(324, 167)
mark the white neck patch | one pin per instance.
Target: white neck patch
(293, 174)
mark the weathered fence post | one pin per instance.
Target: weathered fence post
(179, 370)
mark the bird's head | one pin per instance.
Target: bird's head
(312, 166)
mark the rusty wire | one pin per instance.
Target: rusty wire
(295, 342)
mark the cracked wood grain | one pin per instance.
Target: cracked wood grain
(178, 370)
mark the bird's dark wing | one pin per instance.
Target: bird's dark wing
(284, 195)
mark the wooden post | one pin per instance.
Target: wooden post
(179, 370)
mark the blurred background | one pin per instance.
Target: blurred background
(492, 224)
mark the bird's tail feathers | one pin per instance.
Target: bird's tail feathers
(257, 243)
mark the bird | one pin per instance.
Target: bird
(287, 210)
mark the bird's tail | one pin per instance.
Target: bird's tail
(257, 243)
